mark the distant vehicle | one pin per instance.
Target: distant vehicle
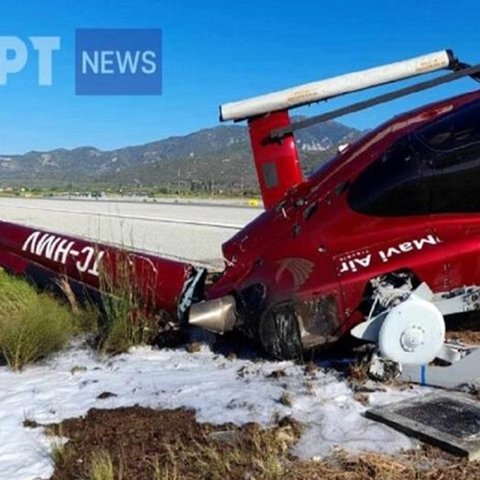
(382, 241)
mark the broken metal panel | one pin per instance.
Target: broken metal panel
(465, 299)
(463, 372)
(449, 420)
(318, 319)
(280, 333)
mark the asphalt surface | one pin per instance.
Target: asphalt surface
(188, 231)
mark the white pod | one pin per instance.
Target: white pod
(412, 333)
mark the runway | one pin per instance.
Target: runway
(188, 231)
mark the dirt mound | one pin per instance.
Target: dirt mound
(143, 444)
(139, 443)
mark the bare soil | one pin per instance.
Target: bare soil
(464, 329)
(171, 445)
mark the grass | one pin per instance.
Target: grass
(32, 325)
(125, 321)
(59, 453)
(85, 316)
(357, 372)
(120, 322)
(164, 472)
(101, 467)
(258, 453)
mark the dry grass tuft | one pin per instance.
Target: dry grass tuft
(357, 372)
(258, 453)
(125, 320)
(101, 467)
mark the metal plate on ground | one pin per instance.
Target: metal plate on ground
(449, 420)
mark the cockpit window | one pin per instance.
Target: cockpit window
(459, 129)
(392, 185)
(434, 171)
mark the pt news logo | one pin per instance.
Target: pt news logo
(107, 61)
(118, 62)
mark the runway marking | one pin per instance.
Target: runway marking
(230, 226)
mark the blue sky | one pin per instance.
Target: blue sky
(215, 52)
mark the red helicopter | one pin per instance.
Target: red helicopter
(381, 241)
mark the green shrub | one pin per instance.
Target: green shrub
(32, 325)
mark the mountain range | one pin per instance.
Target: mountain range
(218, 157)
